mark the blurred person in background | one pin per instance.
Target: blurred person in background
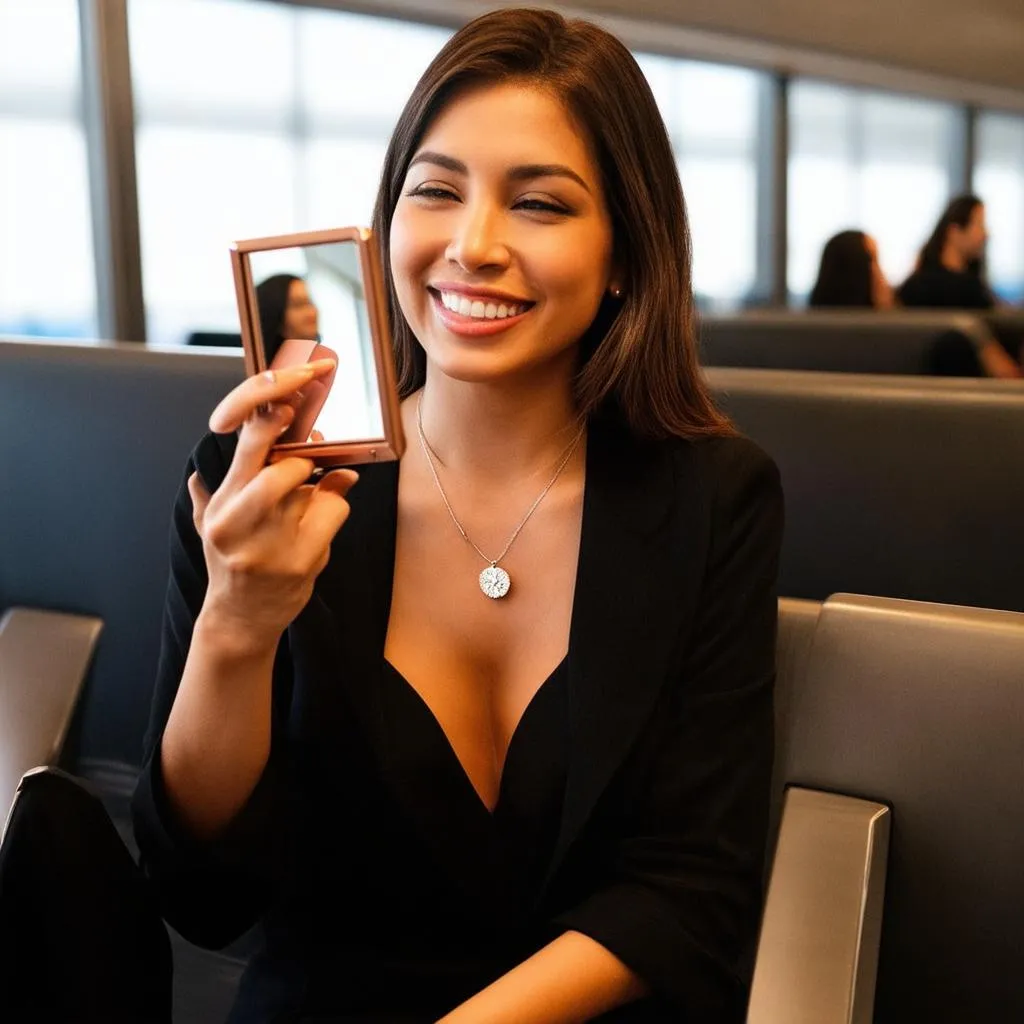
(948, 274)
(850, 276)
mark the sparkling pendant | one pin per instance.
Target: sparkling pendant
(494, 581)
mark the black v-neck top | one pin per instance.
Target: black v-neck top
(516, 840)
(633, 804)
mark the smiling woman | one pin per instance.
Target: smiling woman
(491, 741)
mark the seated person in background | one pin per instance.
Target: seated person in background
(445, 793)
(290, 326)
(948, 273)
(850, 275)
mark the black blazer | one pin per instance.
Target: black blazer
(662, 839)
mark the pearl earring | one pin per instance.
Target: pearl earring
(616, 291)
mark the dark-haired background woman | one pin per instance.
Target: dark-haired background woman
(492, 741)
(850, 276)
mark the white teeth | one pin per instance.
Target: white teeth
(478, 309)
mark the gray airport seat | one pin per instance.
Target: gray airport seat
(902, 487)
(44, 656)
(919, 707)
(843, 341)
(96, 442)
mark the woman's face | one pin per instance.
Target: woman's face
(974, 236)
(501, 242)
(300, 315)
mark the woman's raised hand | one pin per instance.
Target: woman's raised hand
(266, 531)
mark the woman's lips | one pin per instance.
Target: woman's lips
(472, 327)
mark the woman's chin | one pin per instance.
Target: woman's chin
(485, 362)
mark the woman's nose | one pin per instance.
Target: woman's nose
(477, 240)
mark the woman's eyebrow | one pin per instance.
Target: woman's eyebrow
(523, 172)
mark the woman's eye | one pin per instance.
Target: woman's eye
(431, 192)
(542, 205)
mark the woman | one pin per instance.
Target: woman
(448, 804)
(948, 272)
(949, 275)
(290, 330)
(286, 311)
(850, 275)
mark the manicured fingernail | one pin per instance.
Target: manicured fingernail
(270, 376)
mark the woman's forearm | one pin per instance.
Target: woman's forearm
(217, 739)
(571, 980)
(997, 363)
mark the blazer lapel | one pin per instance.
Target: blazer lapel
(629, 610)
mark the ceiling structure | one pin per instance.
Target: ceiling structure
(979, 41)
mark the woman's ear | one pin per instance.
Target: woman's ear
(616, 279)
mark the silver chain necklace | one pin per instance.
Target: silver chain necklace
(495, 581)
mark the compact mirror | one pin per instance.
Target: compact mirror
(320, 295)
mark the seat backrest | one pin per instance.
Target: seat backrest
(922, 707)
(1007, 324)
(845, 341)
(902, 487)
(95, 443)
(44, 657)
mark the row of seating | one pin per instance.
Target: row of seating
(871, 692)
(905, 342)
(895, 487)
(870, 914)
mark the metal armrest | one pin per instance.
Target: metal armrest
(44, 657)
(818, 952)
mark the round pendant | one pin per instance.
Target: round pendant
(494, 581)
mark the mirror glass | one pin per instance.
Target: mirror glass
(311, 304)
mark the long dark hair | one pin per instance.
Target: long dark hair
(958, 212)
(272, 301)
(640, 354)
(844, 276)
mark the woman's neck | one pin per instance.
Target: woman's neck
(507, 431)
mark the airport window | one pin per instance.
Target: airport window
(711, 112)
(867, 160)
(269, 132)
(47, 275)
(999, 180)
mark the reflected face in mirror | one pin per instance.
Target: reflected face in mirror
(311, 304)
(501, 242)
(301, 318)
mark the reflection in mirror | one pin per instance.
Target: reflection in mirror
(312, 304)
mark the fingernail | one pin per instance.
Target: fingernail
(270, 376)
